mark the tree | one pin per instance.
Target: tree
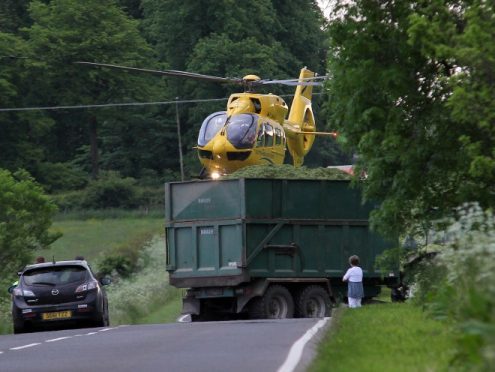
(19, 132)
(66, 31)
(25, 217)
(410, 90)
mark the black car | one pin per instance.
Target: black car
(58, 294)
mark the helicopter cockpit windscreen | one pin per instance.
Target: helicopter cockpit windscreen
(211, 125)
(241, 130)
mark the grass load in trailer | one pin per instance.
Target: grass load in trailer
(268, 248)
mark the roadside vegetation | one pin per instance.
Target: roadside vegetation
(145, 296)
(384, 337)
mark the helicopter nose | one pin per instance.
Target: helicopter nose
(219, 147)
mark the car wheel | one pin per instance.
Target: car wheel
(19, 328)
(106, 320)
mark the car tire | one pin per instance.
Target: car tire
(19, 328)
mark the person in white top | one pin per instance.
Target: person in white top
(354, 279)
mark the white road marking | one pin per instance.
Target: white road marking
(105, 329)
(90, 333)
(1, 352)
(25, 346)
(297, 348)
(184, 319)
(58, 339)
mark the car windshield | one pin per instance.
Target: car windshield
(241, 130)
(55, 275)
(211, 125)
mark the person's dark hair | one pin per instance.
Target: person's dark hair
(354, 260)
(40, 259)
(79, 258)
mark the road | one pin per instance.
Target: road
(266, 345)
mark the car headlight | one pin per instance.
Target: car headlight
(86, 286)
(23, 292)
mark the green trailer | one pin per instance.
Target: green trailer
(269, 248)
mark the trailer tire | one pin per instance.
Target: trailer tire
(276, 303)
(313, 301)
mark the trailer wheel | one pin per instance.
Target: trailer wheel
(313, 302)
(276, 303)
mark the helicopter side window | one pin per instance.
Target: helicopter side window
(260, 141)
(268, 129)
(210, 127)
(278, 136)
(241, 130)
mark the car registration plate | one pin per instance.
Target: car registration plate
(56, 315)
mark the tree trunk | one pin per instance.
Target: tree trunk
(93, 145)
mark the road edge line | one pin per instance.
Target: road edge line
(296, 350)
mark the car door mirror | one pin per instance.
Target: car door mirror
(11, 288)
(105, 281)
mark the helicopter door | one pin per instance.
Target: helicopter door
(210, 127)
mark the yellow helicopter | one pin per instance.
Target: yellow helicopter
(254, 129)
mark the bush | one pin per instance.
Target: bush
(461, 286)
(115, 264)
(60, 176)
(68, 201)
(111, 191)
(123, 260)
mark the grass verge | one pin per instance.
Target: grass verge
(385, 337)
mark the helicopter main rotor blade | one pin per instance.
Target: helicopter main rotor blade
(311, 81)
(177, 73)
(290, 83)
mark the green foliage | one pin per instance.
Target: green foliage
(132, 298)
(60, 176)
(124, 259)
(111, 191)
(460, 286)
(116, 265)
(290, 172)
(386, 337)
(390, 259)
(411, 91)
(25, 217)
(110, 197)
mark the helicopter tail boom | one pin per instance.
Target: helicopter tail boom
(300, 126)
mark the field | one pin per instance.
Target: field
(91, 237)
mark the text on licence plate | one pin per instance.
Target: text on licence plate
(56, 315)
